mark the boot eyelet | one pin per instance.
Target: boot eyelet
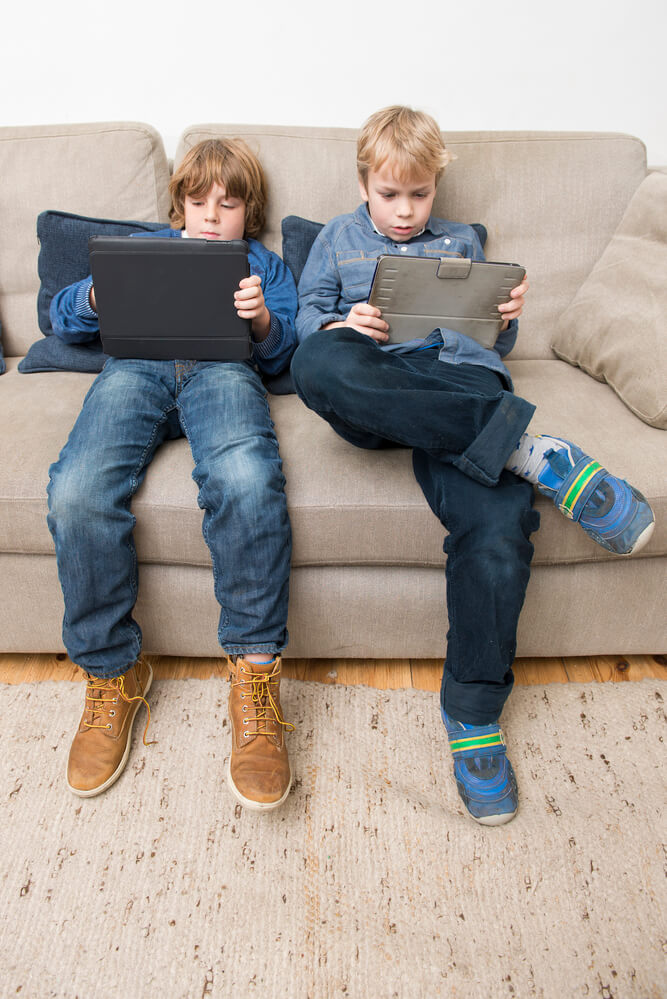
(112, 714)
(246, 735)
(109, 726)
(244, 708)
(245, 721)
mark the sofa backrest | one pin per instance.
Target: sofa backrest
(116, 170)
(550, 200)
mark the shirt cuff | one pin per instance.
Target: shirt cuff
(269, 345)
(82, 305)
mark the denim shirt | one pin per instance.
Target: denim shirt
(339, 272)
(74, 321)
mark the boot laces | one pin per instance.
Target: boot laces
(262, 688)
(98, 704)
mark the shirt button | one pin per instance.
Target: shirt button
(447, 242)
(404, 249)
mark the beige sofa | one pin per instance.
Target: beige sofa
(368, 577)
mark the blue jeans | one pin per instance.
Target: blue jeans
(131, 408)
(462, 425)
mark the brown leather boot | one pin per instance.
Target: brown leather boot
(259, 773)
(101, 745)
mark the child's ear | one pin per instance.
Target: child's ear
(362, 190)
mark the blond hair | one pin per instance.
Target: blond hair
(232, 165)
(410, 140)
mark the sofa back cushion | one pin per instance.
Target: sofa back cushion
(109, 170)
(551, 201)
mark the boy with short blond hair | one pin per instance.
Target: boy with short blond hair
(218, 193)
(450, 400)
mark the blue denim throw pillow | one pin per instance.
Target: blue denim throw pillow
(63, 259)
(299, 235)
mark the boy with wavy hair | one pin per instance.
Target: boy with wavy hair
(219, 193)
(451, 401)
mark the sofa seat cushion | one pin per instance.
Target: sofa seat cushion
(348, 506)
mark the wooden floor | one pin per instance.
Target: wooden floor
(422, 674)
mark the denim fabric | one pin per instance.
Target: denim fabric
(3, 366)
(460, 414)
(298, 237)
(131, 408)
(462, 426)
(299, 234)
(340, 269)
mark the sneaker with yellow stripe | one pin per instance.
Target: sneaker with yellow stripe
(611, 511)
(484, 776)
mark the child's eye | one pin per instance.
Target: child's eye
(388, 195)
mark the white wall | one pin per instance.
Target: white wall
(474, 64)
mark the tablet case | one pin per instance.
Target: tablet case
(419, 294)
(164, 299)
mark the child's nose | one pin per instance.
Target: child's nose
(211, 214)
(404, 207)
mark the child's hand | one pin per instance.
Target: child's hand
(366, 319)
(513, 309)
(250, 304)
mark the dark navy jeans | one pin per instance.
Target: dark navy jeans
(131, 408)
(462, 425)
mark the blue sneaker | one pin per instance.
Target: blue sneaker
(484, 775)
(610, 510)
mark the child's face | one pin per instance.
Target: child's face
(400, 210)
(214, 215)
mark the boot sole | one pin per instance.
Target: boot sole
(121, 766)
(256, 806)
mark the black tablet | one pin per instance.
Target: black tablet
(165, 299)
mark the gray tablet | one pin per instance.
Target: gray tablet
(419, 294)
(164, 299)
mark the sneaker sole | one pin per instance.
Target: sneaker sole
(256, 806)
(121, 766)
(494, 820)
(642, 540)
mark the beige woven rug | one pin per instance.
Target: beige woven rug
(369, 883)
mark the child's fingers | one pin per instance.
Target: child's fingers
(364, 309)
(248, 295)
(520, 289)
(249, 282)
(378, 335)
(368, 317)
